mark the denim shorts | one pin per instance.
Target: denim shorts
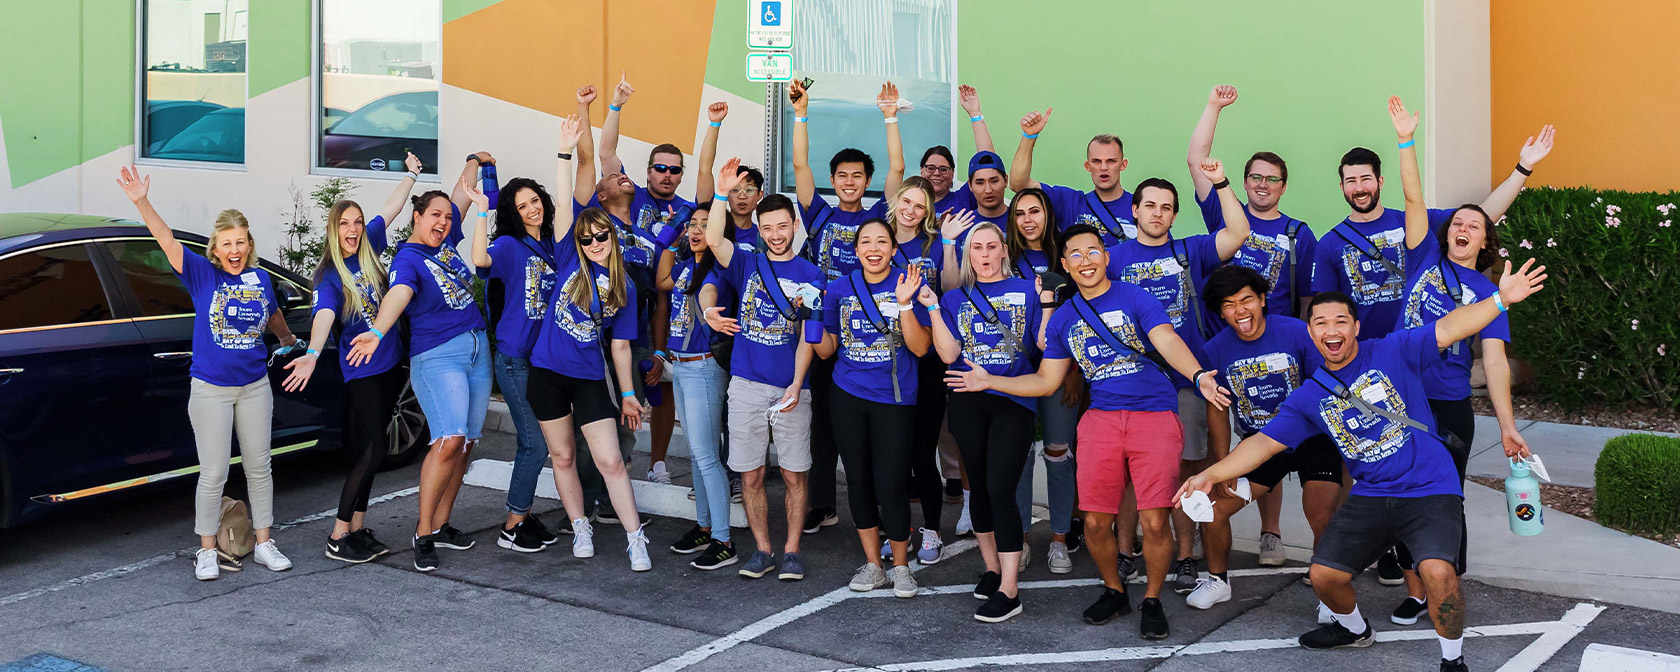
(452, 383)
(1364, 527)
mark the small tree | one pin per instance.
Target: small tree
(301, 243)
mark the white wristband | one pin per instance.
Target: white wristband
(891, 120)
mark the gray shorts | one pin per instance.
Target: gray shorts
(750, 428)
(1364, 527)
(1192, 414)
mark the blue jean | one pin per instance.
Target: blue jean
(700, 386)
(452, 383)
(1059, 424)
(528, 460)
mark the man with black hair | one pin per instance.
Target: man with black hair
(1107, 207)
(743, 199)
(1369, 398)
(831, 234)
(1261, 358)
(1173, 270)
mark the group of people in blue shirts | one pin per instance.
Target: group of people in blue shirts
(826, 336)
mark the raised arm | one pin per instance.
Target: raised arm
(1201, 139)
(480, 225)
(717, 224)
(136, 187)
(1533, 151)
(1020, 165)
(571, 129)
(945, 343)
(1179, 356)
(888, 102)
(584, 185)
(399, 196)
(1466, 321)
(970, 101)
(910, 284)
(951, 228)
(805, 183)
(610, 163)
(469, 175)
(1229, 239)
(703, 185)
(1417, 214)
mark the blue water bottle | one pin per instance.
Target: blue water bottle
(487, 178)
(654, 396)
(1522, 501)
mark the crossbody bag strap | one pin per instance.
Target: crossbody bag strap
(872, 313)
(1109, 224)
(1369, 249)
(989, 313)
(773, 287)
(1195, 306)
(1087, 313)
(1292, 231)
(1341, 390)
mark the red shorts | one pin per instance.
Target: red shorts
(1145, 446)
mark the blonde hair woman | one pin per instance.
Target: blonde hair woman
(233, 301)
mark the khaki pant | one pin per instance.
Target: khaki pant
(217, 413)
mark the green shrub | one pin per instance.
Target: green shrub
(1607, 327)
(1637, 479)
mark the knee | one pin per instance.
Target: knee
(1154, 526)
(451, 446)
(212, 476)
(1326, 577)
(753, 479)
(1438, 576)
(1056, 452)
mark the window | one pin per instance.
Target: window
(193, 82)
(51, 287)
(850, 48)
(156, 287)
(377, 84)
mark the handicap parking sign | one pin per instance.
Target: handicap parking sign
(770, 24)
(772, 13)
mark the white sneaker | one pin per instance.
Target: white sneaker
(931, 552)
(639, 560)
(965, 524)
(1060, 561)
(1325, 616)
(1271, 550)
(903, 582)
(205, 567)
(1026, 557)
(583, 539)
(1209, 591)
(269, 555)
(658, 474)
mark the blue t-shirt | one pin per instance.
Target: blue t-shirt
(866, 356)
(231, 313)
(689, 334)
(1428, 300)
(1073, 206)
(1175, 283)
(745, 239)
(1261, 373)
(930, 258)
(650, 215)
(1340, 265)
(1014, 304)
(443, 305)
(1122, 380)
(569, 343)
(1267, 251)
(377, 231)
(522, 265)
(768, 341)
(329, 295)
(831, 235)
(958, 198)
(1385, 457)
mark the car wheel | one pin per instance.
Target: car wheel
(408, 434)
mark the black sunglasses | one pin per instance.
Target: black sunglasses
(663, 169)
(599, 236)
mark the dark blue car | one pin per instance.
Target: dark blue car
(95, 343)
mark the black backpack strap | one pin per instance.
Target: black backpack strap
(1105, 219)
(1292, 231)
(1367, 248)
(813, 242)
(1340, 390)
(1195, 292)
(773, 287)
(872, 313)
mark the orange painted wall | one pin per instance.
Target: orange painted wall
(536, 53)
(1607, 74)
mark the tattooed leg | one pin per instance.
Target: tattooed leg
(1446, 601)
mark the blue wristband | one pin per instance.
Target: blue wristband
(949, 241)
(977, 118)
(376, 333)
(483, 214)
(1500, 303)
(1408, 143)
(627, 395)
(715, 124)
(615, 108)
(672, 248)
(720, 197)
(1030, 136)
(800, 120)
(312, 352)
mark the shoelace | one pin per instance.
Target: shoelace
(1207, 581)
(637, 538)
(1187, 567)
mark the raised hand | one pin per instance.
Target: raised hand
(1213, 169)
(717, 111)
(1222, 95)
(908, 283)
(720, 324)
(1405, 123)
(1514, 287)
(975, 379)
(887, 100)
(969, 99)
(1034, 122)
(926, 297)
(586, 95)
(361, 348)
(1536, 148)
(622, 92)
(570, 131)
(484, 158)
(476, 194)
(133, 185)
(412, 163)
(954, 223)
(796, 96)
(302, 368)
(728, 176)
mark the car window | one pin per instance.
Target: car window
(403, 115)
(50, 287)
(152, 280)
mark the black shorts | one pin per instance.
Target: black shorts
(1316, 459)
(554, 396)
(1432, 527)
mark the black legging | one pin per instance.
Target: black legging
(1456, 420)
(824, 457)
(368, 404)
(927, 482)
(874, 442)
(994, 435)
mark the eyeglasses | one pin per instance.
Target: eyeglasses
(599, 237)
(938, 170)
(1077, 257)
(1268, 179)
(664, 169)
(743, 191)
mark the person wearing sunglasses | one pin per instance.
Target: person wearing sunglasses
(744, 198)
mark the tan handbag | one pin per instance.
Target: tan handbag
(235, 536)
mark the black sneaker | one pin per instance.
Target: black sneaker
(1076, 535)
(735, 489)
(998, 608)
(1128, 567)
(820, 518)
(540, 531)
(1184, 576)
(521, 538)
(1454, 665)
(953, 491)
(716, 556)
(373, 545)
(1388, 569)
(692, 541)
(604, 513)
(348, 548)
(565, 526)
(452, 539)
(1408, 611)
(988, 585)
(1334, 636)
(1152, 619)
(1112, 603)
(425, 553)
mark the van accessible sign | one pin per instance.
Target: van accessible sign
(769, 66)
(770, 24)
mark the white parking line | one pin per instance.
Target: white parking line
(130, 568)
(1542, 649)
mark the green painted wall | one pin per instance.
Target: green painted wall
(455, 9)
(278, 51)
(66, 93)
(728, 54)
(1142, 70)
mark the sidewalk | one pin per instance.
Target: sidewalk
(1569, 451)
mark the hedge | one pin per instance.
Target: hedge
(1607, 326)
(1637, 481)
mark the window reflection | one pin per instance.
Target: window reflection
(379, 83)
(193, 87)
